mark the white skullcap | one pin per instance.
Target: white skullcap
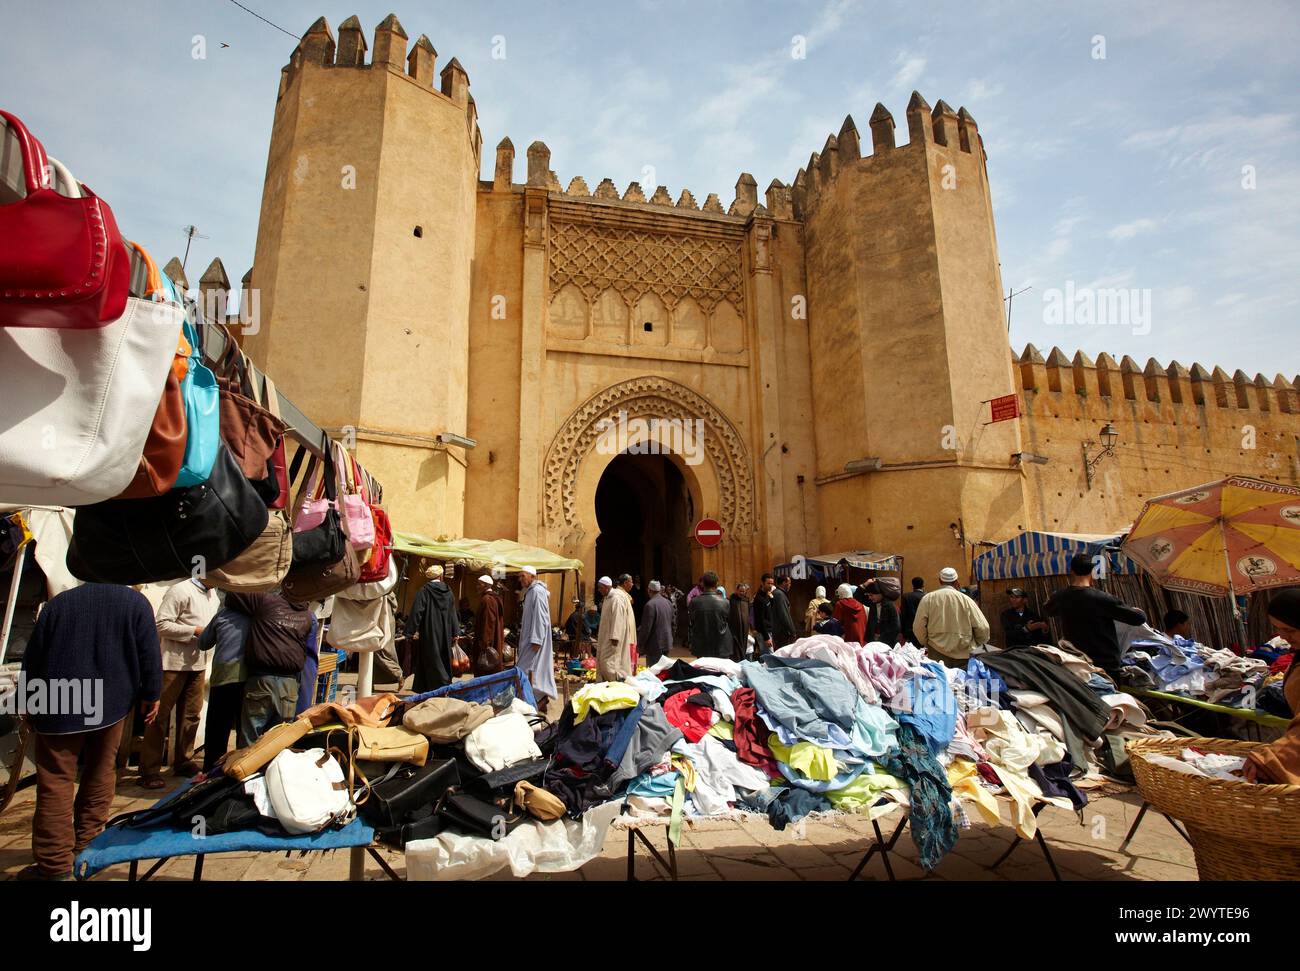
(844, 591)
(486, 579)
(530, 570)
(606, 581)
(948, 575)
(434, 572)
(654, 586)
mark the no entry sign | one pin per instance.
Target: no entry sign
(708, 532)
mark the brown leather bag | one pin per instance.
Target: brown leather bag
(307, 583)
(262, 567)
(164, 449)
(250, 431)
(251, 759)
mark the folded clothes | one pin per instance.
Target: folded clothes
(603, 696)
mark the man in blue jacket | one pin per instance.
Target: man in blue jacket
(93, 654)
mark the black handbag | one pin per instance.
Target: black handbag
(325, 542)
(168, 537)
(473, 816)
(410, 794)
(500, 785)
(422, 829)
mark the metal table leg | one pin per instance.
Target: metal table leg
(881, 847)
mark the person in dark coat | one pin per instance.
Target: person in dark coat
(281, 636)
(738, 621)
(763, 606)
(1021, 626)
(710, 633)
(489, 630)
(783, 629)
(654, 635)
(882, 617)
(826, 622)
(1088, 616)
(907, 612)
(100, 641)
(433, 620)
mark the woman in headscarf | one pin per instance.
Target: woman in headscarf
(433, 620)
(1279, 761)
(810, 616)
(851, 615)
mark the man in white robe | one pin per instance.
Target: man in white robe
(617, 637)
(535, 637)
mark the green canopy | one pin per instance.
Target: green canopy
(479, 554)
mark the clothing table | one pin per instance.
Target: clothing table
(123, 844)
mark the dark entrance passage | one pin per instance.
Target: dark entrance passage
(645, 514)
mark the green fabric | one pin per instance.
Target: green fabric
(1260, 717)
(864, 791)
(478, 554)
(723, 729)
(811, 761)
(675, 821)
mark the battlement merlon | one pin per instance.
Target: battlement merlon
(1154, 382)
(319, 48)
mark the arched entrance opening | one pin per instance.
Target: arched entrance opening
(644, 510)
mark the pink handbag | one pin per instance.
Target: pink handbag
(312, 504)
(358, 523)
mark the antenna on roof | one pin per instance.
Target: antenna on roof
(191, 233)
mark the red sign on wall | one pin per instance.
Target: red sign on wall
(1005, 408)
(708, 533)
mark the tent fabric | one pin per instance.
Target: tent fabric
(858, 559)
(478, 554)
(1041, 554)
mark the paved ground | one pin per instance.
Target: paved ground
(750, 850)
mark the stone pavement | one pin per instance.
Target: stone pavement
(745, 850)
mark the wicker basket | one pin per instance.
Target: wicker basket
(1239, 830)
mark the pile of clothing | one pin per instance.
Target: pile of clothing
(1180, 666)
(825, 726)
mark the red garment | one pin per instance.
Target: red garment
(1282, 664)
(693, 720)
(751, 734)
(853, 616)
(988, 773)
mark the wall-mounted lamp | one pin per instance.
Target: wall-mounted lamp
(864, 465)
(451, 438)
(1108, 436)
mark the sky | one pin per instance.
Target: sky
(1143, 157)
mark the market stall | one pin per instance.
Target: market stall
(831, 569)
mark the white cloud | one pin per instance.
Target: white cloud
(1128, 230)
(910, 69)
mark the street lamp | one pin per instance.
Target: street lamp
(1109, 437)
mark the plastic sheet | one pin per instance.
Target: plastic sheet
(533, 847)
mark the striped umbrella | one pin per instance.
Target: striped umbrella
(1222, 538)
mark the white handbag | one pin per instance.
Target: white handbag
(77, 405)
(501, 741)
(307, 791)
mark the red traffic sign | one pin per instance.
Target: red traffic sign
(708, 533)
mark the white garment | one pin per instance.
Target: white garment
(718, 665)
(185, 606)
(718, 773)
(1124, 710)
(500, 742)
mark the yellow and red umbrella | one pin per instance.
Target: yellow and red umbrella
(1233, 536)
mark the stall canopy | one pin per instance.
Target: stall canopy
(1048, 555)
(829, 564)
(479, 554)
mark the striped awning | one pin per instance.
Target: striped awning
(824, 565)
(1048, 554)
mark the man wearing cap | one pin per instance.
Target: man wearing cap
(948, 623)
(603, 586)
(1021, 627)
(489, 629)
(616, 640)
(535, 649)
(654, 636)
(434, 622)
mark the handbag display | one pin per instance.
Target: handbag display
(77, 405)
(409, 794)
(279, 466)
(263, 566)
(202, 415)
(63, 263)
(250, 431)
(324, 562)
(391, 744)
(354, 511)
(164, 449)
(251, 759)
(499, 786)
(361, 626)
(201, 528)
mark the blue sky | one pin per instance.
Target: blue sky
(1127, 171)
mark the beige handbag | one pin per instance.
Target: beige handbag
(393, 744)
(539, 803)
(247, 761)
(262, 566)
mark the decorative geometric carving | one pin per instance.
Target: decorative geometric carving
(634, 262)
(648, 397)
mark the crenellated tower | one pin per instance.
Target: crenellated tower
(364, 253)
(908, 338)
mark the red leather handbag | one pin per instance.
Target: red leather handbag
(376, 566)
(63, 263)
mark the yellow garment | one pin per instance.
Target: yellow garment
(602, 697)
(863, 793)
(965, 781)
(723, 729)
(687, 768)
(811, 760)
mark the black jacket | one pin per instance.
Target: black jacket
(1088, 619)
(907, 612)
(882, 623)
(710, 631)
(433, 617)
(1016, 632)
(277, 634)
(738, 621)
(783, 630)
